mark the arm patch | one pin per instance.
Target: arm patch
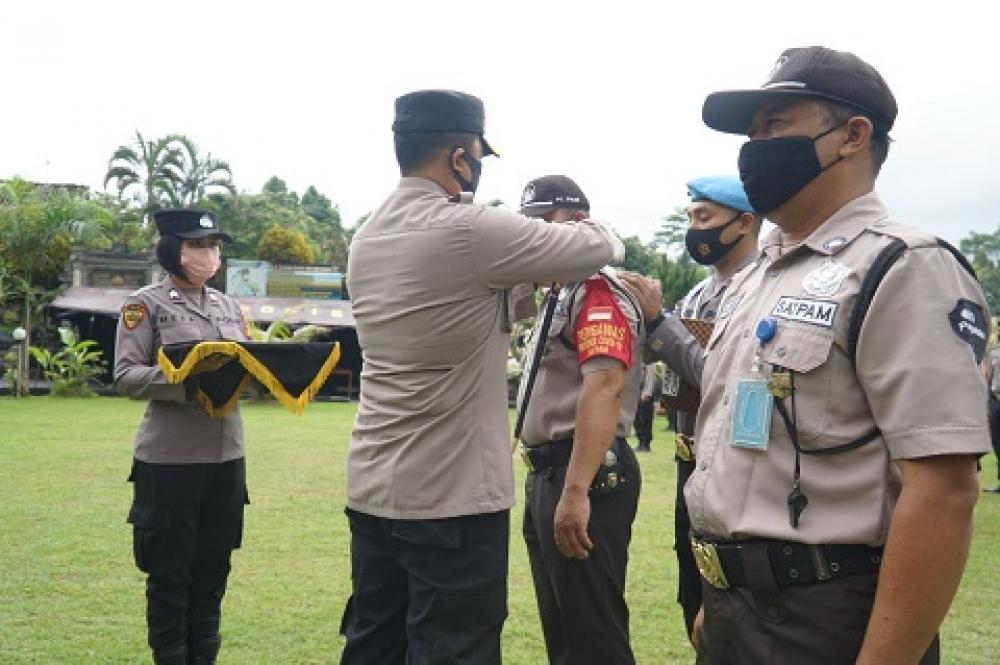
(133, 314)
(969, 323)
(601, 328)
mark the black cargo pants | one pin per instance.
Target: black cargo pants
(426, 592)
(187, 519)
(582, 602)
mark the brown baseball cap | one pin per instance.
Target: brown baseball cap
(812, 71)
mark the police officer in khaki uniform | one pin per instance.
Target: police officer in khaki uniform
(188, 474)
(430, 479)
(722, 233)
(582, 489)
(842, 397)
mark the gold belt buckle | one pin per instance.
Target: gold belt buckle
(682, 444)
(525, 457)
(709, 565)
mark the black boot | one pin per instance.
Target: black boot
(174, 656)
(205, 651)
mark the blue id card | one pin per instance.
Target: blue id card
(752, 414)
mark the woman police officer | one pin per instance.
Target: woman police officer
(189, 473)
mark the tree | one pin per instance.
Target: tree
(105, 222)
(328, 232)
(984, 248)
(199, 173)
(639, 257)
(672, 229)
(277, 190)
(280, 245)
(151, 170)
(35, 226)
(677, 275)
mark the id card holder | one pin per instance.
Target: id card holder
(752, 414)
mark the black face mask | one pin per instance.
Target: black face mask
(475, 166)
(775, 170)
(705, 245)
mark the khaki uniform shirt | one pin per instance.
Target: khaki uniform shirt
(551, 413)
(917, 381)
(429, 282)
(175, 431)
(703, 302)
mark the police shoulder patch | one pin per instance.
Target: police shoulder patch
(969, 322)
(133, 314)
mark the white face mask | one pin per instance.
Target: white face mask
(200, 263)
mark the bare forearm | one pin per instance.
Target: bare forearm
(596, 423)
(918, 581)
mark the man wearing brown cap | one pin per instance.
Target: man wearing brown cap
(843, 404)
(429, 474)
(577, 402)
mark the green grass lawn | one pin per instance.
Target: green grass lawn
(69, 592)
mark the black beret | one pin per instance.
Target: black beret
(427, 111)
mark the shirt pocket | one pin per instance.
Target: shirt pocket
(180, 333)
(805, 351)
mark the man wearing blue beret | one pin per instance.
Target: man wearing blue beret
(722, 233)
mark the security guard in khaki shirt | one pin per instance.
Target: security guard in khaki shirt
(582, 489)
(189, 473)
(430, 477)
(842, 397)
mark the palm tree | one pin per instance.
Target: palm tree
(200, 173)
(152, 169)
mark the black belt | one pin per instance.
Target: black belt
(549, 455)
(721, 563)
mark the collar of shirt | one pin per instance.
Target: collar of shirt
(422, 185)
(837, 232)
(718, 283)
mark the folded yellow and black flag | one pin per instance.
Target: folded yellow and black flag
(293, 372)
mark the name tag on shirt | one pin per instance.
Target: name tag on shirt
(816, 312)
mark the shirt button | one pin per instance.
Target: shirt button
(746, 333)
(725, 400)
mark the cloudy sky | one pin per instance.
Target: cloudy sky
(611, 96)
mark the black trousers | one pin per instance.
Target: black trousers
(644, 423)
(825, 624)
(688, 577)
(187, 519)
(426, 592)
(582, 602)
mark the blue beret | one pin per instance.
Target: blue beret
(726, 190)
